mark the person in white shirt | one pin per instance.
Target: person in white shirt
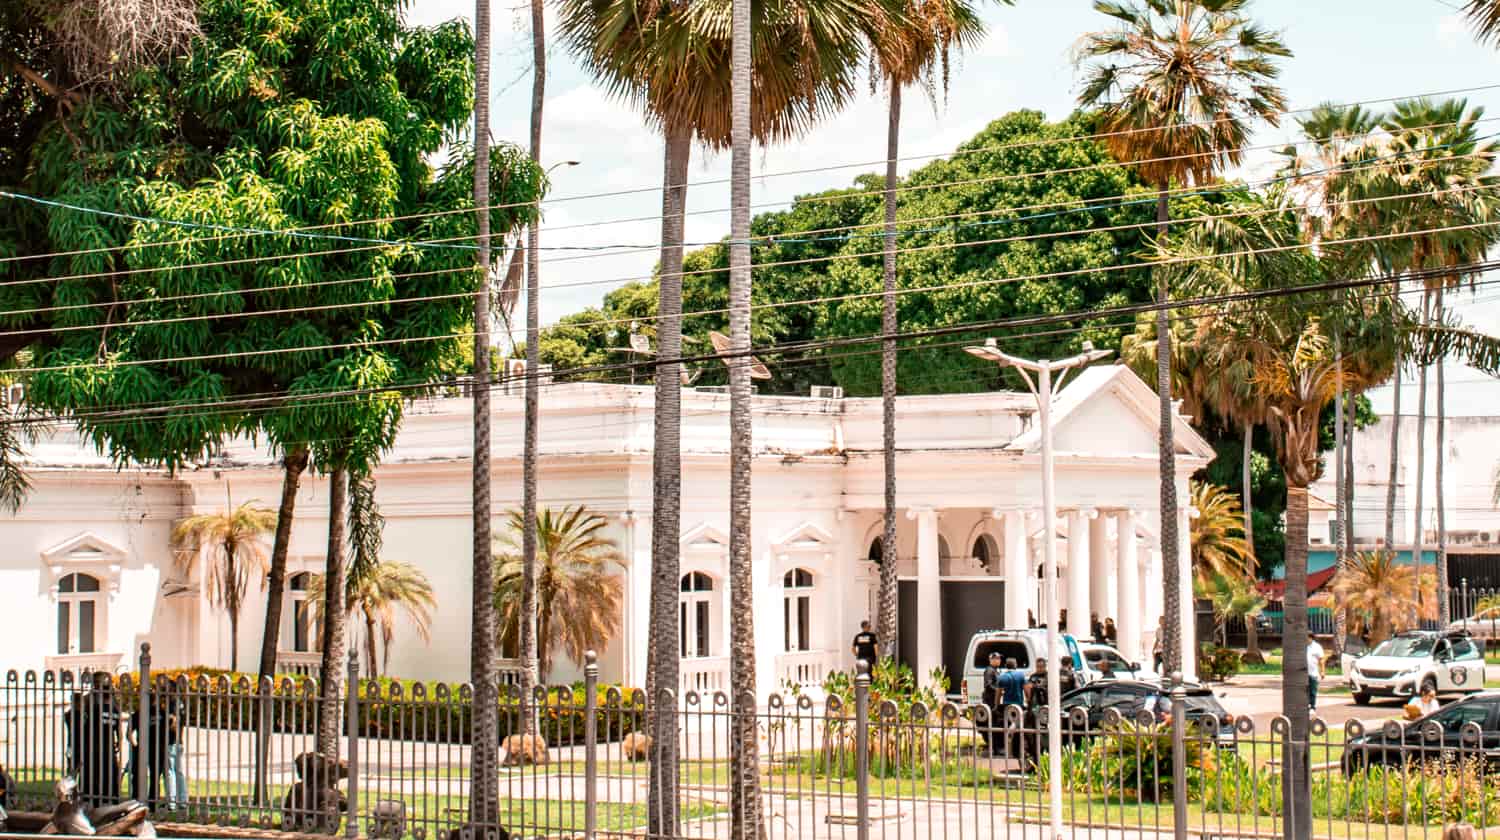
(1314, 671)
(1429, 702)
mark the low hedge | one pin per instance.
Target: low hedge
(406, 709)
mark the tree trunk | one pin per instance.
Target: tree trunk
(484, 764)
(1439, 457)
(1417, 524)
(1349, 535)
(1247, 501)
(745, 820)
(234, 633)
(331, 665)
(886, 626)
(1395, 472)
(1171, 561)
(665, 645)
(1341, 525)
(293, 464)
(528, 637)
(1296, 792)
(373, 672)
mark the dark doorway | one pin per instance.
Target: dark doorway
(967, 606)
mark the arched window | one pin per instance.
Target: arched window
(79, 609)
(986, 551)
(875, 555)
(301, 612)
(797, 610)
(696, 602)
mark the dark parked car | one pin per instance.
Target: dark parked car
(1131, 697)
(1437, 737)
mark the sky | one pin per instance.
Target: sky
(1343, 52)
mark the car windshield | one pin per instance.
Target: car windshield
(1405, 646)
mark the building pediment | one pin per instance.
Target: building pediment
(86, 550)
(705, 537)
(1109, 412)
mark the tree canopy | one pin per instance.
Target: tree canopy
(272, 227)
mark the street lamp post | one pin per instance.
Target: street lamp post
(1041, 386)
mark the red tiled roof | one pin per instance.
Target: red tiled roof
(1275, 589)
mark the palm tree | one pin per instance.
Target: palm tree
(673, 60)
(1381, 593)
(1232, 598)
(377, 594)
(1439, 155)
(228, 547)
(1484, 16)
(580, 596)
(530, 666)
(1178, 83)
(1218, 536)
(1319, 173)
(907, 51)
(484, 765)
(293, 465)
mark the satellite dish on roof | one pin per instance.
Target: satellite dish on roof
(722, 345)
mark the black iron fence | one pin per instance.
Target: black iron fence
(855, 764)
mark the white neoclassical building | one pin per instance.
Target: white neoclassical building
(87, 563)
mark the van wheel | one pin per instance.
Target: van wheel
(1361, 698)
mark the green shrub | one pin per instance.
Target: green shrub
(405, 709)
(1218, 663)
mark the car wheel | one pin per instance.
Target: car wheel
(1429, 683)
(1361, 698)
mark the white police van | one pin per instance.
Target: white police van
(1024, 646)
(1407, 663)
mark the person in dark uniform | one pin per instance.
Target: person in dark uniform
(1067, 678)
(866, 644)
(1037, 700)
(161, 737)
(93, 733)
(990, 697)
(1096, 628)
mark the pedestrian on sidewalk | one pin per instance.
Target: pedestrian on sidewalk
(1314, 671)
(866, 645)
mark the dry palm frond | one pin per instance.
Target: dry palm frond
(1218, 534)
(228, 546)
(579, 591)
(101, 39)
(1381, 592)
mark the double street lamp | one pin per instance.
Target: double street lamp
(1038, 376)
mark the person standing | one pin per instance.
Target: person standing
(990, 697)
(1157, 657)
(866, 645)
(1012, 684)
(1067, 678)
(1096, 628)
(1314, 671)
(176, 770)
(1111, 635)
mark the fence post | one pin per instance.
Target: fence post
(862, 749)
(590, 744)
(143, 769)
(1463, 600)
(1179, 757)
(351, 724)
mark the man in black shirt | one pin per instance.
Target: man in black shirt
(866, 644)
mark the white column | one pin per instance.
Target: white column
(1101, 569)
(929, 600)
(1188, 614)
(1018, 591)
(1078, 574)
(1128, 613)
(1151, 573)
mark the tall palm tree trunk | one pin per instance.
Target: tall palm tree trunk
(1439, 457)
(886, 627)
(1417, 536)
(1341, 525)
(293, 464)
(1350, 413)
(1294, 667)
(665, 644)
(1395, 468)
(529, 665)
(745, 821)
(484, 764)
(331, 664)
(373, 669)
(1171, 561)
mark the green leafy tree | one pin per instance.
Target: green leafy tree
(283, 116)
